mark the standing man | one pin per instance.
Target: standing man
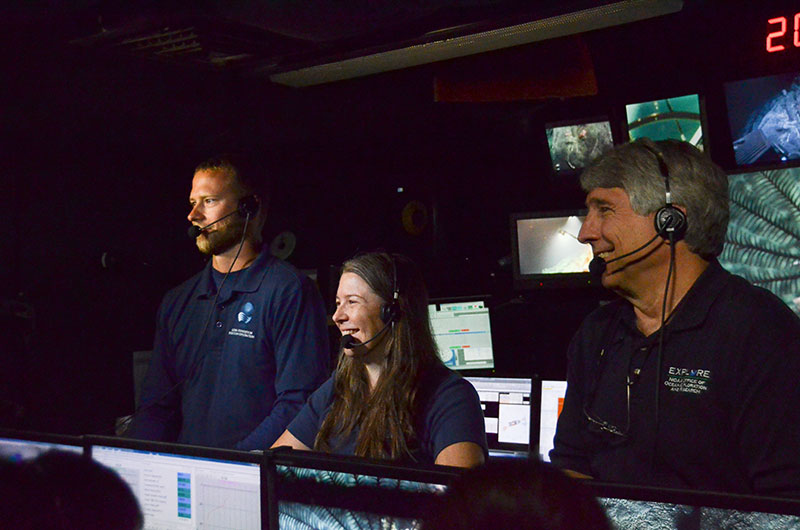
(240, 345)
(690, 380)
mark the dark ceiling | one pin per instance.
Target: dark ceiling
(267, 36)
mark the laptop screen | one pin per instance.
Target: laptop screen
(187, 491)
(506, 404)
(463, 333)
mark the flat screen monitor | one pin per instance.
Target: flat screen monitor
(550, 404)
(761, 243)
(187, 487)
(334, 492)
(506, 404)
(18, 446)
(679, 118)
(644, 507)
(574, 145)
(463, 332)
(763, 118)
(546, 251)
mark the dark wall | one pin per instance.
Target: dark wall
(100, 155)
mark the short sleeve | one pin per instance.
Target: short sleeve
(454, 415)
(306, 424)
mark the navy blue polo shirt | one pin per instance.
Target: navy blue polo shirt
(234, 375)
(728, 416)
(450, 412)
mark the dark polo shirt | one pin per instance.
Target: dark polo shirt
(234, 375)
(727, 414)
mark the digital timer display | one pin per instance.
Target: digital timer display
(777, 38)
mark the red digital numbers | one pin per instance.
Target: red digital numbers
(775, 35)
(775, 39)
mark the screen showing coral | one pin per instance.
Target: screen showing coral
(764, 229)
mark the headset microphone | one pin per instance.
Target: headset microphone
(598, 265)
(347, 342)
(247, 207)
(195, 230)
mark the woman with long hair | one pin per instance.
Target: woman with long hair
(390, 397)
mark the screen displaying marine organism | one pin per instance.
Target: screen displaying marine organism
(763, 239)
(574, 146)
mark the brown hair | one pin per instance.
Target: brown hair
(385, 416)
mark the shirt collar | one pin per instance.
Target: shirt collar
(248, 281)
(692, 309)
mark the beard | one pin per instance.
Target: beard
(227, 234)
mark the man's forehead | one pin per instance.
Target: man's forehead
(607, 196)
(216, 180)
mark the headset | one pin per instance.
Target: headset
(248, 205)
(670, 222)
(390, 313)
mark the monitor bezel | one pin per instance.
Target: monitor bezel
(599, 118)
(755, 166)
(686, 497)
(544, 281)
(703, 118)
(487, 300)
(533, 434)
(211, 453)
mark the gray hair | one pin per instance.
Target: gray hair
(696, 183)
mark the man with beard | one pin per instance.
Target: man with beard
(241, 345)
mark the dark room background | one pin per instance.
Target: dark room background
(100, 146)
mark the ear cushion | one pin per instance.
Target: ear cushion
(389, 312)
(671, 220)
(248, 206)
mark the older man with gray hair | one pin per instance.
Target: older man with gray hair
(689, 380)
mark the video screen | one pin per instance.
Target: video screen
(761, 244)
(546, 248)
(625, 513)
(463, 333)
(573, 146)
(18, 450)
(338, 500)
(678, 118)
(764, 118)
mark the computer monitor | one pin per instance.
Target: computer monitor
(463, 332)
(335, 492)
(506, 404)
(761, 241)
(677, 118)
(575, 144)
(545, 250)
(17, 446)
(762, 115)
(188, 487)
(550, 404)
(646, 507)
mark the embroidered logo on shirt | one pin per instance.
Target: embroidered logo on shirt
(688, 381)
(246, 314)
(244, 317)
